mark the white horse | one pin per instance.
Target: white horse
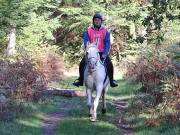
(96, 79)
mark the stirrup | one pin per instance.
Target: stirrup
(77, 83)
(113, 83)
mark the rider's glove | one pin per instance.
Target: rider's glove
(104, 57)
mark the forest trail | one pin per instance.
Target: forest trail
(52, 120)
(124, 126)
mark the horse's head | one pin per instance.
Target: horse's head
(92, 56)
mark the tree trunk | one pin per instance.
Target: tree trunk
(12, 42)
(66, 93)
(133, 30)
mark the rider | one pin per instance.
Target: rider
(97, 33)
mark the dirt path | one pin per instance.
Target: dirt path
(52, 120)
(125, 127)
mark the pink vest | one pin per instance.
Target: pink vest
(97, 36)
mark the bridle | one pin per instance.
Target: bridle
(92, 65)
(93, 58)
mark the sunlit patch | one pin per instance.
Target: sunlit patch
(30, 123)
(99, 127)
(41, 116)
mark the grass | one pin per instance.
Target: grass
(82, 126)
(142, 128)
(67, 84)
(29, 121)
(79, 124)
(162, 129)
(26, 124)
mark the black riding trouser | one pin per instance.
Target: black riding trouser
(108, 64)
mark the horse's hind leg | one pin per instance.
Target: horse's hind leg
(89, 101)
(103, 102)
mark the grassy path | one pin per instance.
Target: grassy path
(65, 117)
(69, 116)
(125, 126)
(30, 121)
(77, 121)
(51, 120)
(108, 124)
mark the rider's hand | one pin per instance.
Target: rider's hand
(104, 56)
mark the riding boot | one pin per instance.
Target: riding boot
(110, 71)
(80, 80)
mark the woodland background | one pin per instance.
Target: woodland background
(40, 39)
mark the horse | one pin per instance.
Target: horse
(96, 79)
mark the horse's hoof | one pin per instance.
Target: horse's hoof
(103, 111)
(92, 119)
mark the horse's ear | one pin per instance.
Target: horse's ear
(88, 43)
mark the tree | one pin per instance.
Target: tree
(12, 42)
(29, 16)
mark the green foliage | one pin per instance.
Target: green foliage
(40, 35)
(34, 27)
(75, 21)
(165, 128)
(154, 68)
(160, 12)
(17, 12)
(28, 117)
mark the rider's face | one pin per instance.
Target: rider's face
(97, 21)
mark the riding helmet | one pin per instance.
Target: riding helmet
(98, 15)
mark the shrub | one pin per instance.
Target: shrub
(52, 67)
(21, 80)
(160, 84)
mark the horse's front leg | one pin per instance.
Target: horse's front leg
(96, 102)
(89, 100)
